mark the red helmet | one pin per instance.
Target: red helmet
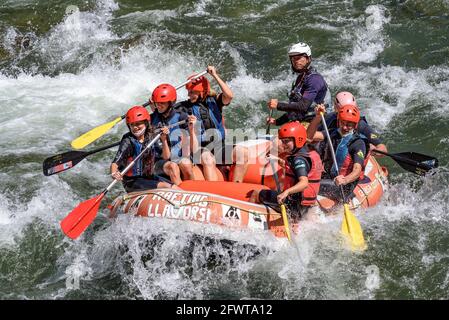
(164, 93)
(137, 113)
(349, 113)
(344, 98)
(294, 130)
(200, 84)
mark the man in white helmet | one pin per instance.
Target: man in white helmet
(307, 91)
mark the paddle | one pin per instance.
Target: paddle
(412, 161)
(67, 160)
(269, 123)
(82, 216)
(350, 226)
(96, 133)
(282, 205)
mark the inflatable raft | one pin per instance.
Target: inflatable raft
(226, 204)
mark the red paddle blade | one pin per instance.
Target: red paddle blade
(81, 217)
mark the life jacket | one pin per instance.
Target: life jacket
(309, 195)
(344, 160)
(145, 165)
(209, 116)
(296, 93)
(174, 139)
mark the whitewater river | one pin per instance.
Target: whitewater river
(67, 66)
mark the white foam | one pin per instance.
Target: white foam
(370, 41)
(155, 16)
(200, 9)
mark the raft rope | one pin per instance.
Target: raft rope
(178, 206)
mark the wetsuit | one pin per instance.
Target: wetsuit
(307, 91)
(300, 165)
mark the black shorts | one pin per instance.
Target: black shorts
(159, 166)
(143, 183)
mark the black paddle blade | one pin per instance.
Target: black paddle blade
(62, 162)
(416, 162)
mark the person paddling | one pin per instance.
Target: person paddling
(141, 176)
(163, 98)
(303, 170)
(351, 151)
(308, 90)
(207, 107)
(346, 98)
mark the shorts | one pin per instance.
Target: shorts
(222, 153)
(143, 183)
(159, 165)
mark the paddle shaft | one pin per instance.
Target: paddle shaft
(129, 166)
(282, 205)
(146, 104)
(97, 132)
(85, 216)
(331, 147)
(269, 123)
(80, 155)
(88, 153)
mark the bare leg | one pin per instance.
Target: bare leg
(172, 170)
(208, 162)
(254, 198)
(186, 167)
(168, 185)
(240, 157)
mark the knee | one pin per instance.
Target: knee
(240, 154)
(185, 164)
(254, 196)
(171, 167)
(207, 159)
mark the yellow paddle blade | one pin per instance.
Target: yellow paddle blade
(94, 134)
(285, 220)
(351, 228)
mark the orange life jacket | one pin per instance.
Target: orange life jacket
(309, 195)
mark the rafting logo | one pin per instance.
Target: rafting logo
(233, 213)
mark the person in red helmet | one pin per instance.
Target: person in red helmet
(163, 99)
(303, 170)
(207, 107)
(346, 98)
(141, 176)
(351, 151)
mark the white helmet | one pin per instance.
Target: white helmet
(300, 48)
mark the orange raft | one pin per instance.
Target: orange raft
(227, 204)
